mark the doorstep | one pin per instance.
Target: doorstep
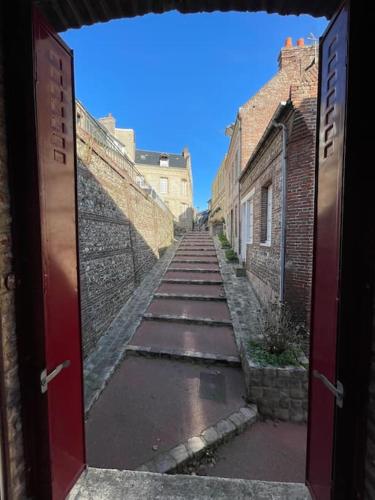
(105, 484)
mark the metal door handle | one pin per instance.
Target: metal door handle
(337, 390)
(45, 378)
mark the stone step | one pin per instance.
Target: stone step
(192, 260)
(157, 401)
(184, 319)
(182, 281)
(192, 289)
(161, 335)
(207, 255)
(214, 276)
(190, 309)
(194, 269)
(187, 355)
(186, 296)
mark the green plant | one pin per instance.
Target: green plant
(223, 240)
(231, 255)
(279, 330)
(260, 354)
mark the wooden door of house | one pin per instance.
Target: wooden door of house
(326, 392)
(61, 377)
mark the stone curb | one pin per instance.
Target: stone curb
(186, 319)
(186, 296)
(192, 282)
(179, 456)
(209, 358)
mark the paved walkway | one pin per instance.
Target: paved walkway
(181, 374)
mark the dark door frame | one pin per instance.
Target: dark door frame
(358, 252)
(357, 285)
(27, 247)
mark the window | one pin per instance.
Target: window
(266, 215)
(235, 221)
(163, 185)
(184, 210)
(237, 164)
(164, 161)
(184, 187)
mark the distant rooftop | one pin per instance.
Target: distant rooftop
(153, 158)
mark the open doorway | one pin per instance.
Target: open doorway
(269, 188)
(166, 390)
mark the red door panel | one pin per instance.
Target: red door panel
(57, 194)
(326, 297)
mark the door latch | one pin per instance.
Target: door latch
(337, 390)
(45, 378)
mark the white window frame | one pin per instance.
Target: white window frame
(267, 242)
(184, 187)
(163, 186)
(247, 225)
(164, 161)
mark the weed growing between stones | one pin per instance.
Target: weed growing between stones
(231, 255)
(282, 340)
(223, 240)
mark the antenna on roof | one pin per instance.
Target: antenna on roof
(315, 41)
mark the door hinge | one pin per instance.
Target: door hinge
(45, 378)
(337, 390)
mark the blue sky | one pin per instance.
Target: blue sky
(179, 79)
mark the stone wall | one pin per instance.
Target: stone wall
(10, 391)
(122, 232)
(279, 393)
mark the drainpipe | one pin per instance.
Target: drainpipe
(283, 210)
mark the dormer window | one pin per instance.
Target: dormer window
(164, 161)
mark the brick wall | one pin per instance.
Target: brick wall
(10, 392)
(300, 198)
(262, 261)
(122, 232)
(295, 63)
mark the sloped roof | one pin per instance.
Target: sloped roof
(153, 158)
(65, 14)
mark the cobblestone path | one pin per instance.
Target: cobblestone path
(181, 380)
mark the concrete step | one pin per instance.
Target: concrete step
(105, 484)
(190, 269)
(185, 296)
(180, 354)
(162, 335)
(190, 309)
(195, 266)
(187, 320)
(210, 290)
(153, 404)
(214, 276)
(190, 281)
(196, 260)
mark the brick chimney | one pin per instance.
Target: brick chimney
(185, 152)
(296, 57)
(109, 122)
